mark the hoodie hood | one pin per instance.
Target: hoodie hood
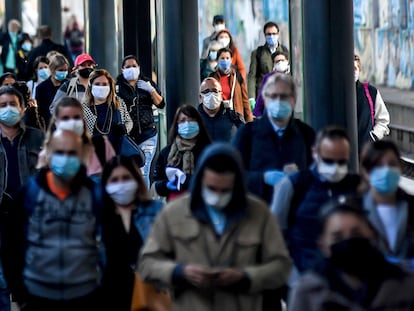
(220, 155)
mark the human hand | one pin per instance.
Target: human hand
(173, 184)
(290, 168)
(228, 276)
(272, 177)
(145, 85)
(197, 275)
(32, 102)
(252, 103)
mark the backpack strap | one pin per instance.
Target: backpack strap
(371, 103)
(71, 86)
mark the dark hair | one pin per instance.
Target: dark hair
(38, 60)
(23, 37)
(331, 133)
(224, 50)
(373, 152)
(6, 75)
(8, 89)
(284, 53)
(44, 32)
(190, 111)
(127, 162)
(218, 19)
(129, 57)
(344, 205)
(221, 163)
(270, 24)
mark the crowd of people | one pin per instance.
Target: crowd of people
(249, 207)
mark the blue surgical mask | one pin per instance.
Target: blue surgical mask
(27, 46)
(279, 109)
(224, 64)
(188, 129)
(272, 40)
(64, 166)
(10, 116)
(43, 73)
(61, 75)
(384, 179)
(213, 55)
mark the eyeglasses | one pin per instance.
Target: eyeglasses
(276, 96)
(332, 161)
(210, 91)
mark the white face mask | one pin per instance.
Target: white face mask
(224, 42)
(100, 91)
(332, 172)
(74, 125)
(131, 73)
(219, 27)
(281, 66)
(217, 201)
(212, 100)
(356, 75)
(122, 193)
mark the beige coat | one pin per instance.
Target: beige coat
(178, 237)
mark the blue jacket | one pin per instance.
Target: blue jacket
(262, 149)
(55, 244)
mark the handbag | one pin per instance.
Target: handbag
(129, 148)
(146, 297)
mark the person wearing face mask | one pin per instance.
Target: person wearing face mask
(187, 138)
(221, 122)
(218, 24)
(281, 65)
(209, 64)
(128, 215)
(76, 86)
(24, 46)
(261, 60)
(225, 39)
(390, 209)
(353, 274)
(55, 228)
(297, 199)
(373, 117)
(9, 46)
(68, 115)
(20, 144)
(234, 90)
(216, 241)
(106, 115)
(276, 144)
(141, 95)
(46, 90)
(41, 73)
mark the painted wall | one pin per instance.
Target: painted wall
(245, 20)
(384, 38)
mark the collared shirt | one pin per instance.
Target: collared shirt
(278, 130)
(218, 219)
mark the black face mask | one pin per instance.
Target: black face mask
(356, 256)
(85, 72)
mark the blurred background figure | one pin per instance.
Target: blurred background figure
(74, 37)
(9, 44)
(219, 24)
(209, 64)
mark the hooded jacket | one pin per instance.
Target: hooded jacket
(251, 242)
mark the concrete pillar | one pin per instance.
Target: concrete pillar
(13, 10)
(181, 54)
(103, 29)
(329, 67)
(137, 32)
(51, 14)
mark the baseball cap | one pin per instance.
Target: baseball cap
(80, 59)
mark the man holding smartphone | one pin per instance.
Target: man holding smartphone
(218, 246)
